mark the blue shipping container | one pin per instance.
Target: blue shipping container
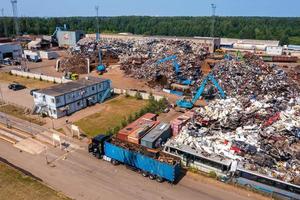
(142, 162)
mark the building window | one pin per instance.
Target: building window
(78, 103)
(35, 96)
(52, 100)
(57, 100)
(44, 98)
(93, 88)
(54, 112)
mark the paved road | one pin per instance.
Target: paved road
(81, 176)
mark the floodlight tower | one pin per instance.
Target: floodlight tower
(97, 21)
(4, 23)
(213, 10)
(15, 14)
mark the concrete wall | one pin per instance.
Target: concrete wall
(38, 76)
(131, 93)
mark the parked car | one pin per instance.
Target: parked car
(16, 86)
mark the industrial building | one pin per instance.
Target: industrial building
(10, 50)
(69, 38)
(64, 99)
(248, 44)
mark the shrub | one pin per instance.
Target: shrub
(138, 96)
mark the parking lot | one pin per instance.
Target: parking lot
(21, 97)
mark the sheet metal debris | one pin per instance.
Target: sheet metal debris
(258, 124)
(138, 58)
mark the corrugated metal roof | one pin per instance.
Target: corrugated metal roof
(156, 132)
(64, 88)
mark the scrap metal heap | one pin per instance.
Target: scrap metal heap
(138, 58)
(258, 124)
(161, 156)
(141, 62)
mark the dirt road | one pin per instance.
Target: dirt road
(81, 176)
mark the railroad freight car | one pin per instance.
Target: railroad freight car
(155, 165)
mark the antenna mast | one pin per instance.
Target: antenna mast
(97, 21)
(15, 14)
(213, 9)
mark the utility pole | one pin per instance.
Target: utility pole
(97, 21)
(213, 9)
(4, 114)
(15, 14)
(4, 23)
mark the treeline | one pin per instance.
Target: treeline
(287, 30)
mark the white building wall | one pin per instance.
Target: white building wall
(71, 102)
(272, 50)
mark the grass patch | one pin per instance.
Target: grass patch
(20, 113)
(28, 82)
(17, 186)
(114, 112)
(294, 40)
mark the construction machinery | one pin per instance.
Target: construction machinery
(227, 57)
(239, 56)
(54, 35)
(101, 67)
(183, 103)
(71, 76)
(173, 58)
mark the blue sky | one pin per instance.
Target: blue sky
(47, 8)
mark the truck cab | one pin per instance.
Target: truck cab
(96, 147)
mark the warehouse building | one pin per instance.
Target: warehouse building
(64, 99)
(248, 44)
(69, 38)
(10, 50)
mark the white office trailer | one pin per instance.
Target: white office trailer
(64, 99)
(48, 55)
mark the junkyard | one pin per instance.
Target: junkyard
(200, 117)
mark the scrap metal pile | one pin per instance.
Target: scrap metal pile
(141, 61)
(258, 124)
(138, 58)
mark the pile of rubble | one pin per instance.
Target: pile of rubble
(258, 124)
(138, 58)
(252, 79)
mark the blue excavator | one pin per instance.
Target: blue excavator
(173, 58)
(101, 67)
(183, 103)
